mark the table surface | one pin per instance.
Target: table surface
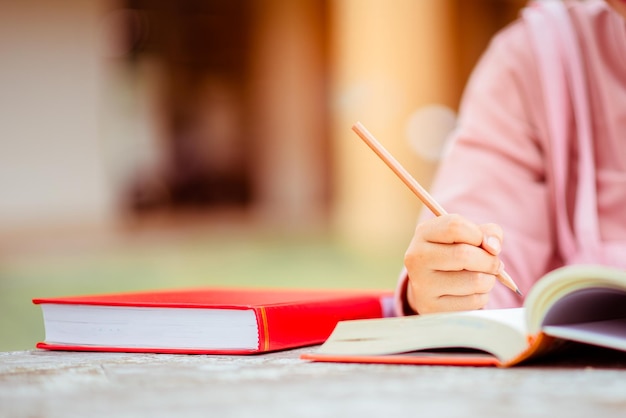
(65, 384)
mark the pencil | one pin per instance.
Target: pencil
(416, 188)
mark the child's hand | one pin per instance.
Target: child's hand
(452, 264)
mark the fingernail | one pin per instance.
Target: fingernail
(501, 268)
(493, 243)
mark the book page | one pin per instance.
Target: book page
(587, 305)
(500, 332)
(609, 333)
(130, 327)
(580, 293)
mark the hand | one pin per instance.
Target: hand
(452, 264)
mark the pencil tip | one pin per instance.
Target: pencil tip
(518, 292)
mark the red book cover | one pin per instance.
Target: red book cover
(423, 359)
(158, 321)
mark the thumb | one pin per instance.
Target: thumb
(492, 238)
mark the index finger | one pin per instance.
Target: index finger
(451, 229)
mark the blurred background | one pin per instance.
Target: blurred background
(152, 144)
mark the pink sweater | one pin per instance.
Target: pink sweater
(503, 168)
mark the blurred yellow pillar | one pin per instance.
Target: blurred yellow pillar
(388, 59)
(287, 87)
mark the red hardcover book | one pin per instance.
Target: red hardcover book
(203, 321)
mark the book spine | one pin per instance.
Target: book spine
(288, 326)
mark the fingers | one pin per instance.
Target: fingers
(453, 243)
(444, 292)
(452, 264)
(461, 303)
(451, 258)
(462, 283)
(450, 229)
(454, 228)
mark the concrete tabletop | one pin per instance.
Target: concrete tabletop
(65, 384)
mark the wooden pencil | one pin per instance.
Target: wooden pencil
(415, 187)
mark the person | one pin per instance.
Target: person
(531, 183)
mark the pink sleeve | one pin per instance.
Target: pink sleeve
(495, 169)
(401, 304)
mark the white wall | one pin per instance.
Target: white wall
(51, 165)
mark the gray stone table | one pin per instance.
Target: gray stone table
(65, 384)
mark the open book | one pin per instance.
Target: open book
(584, 303)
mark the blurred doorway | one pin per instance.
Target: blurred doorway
(242, 103)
